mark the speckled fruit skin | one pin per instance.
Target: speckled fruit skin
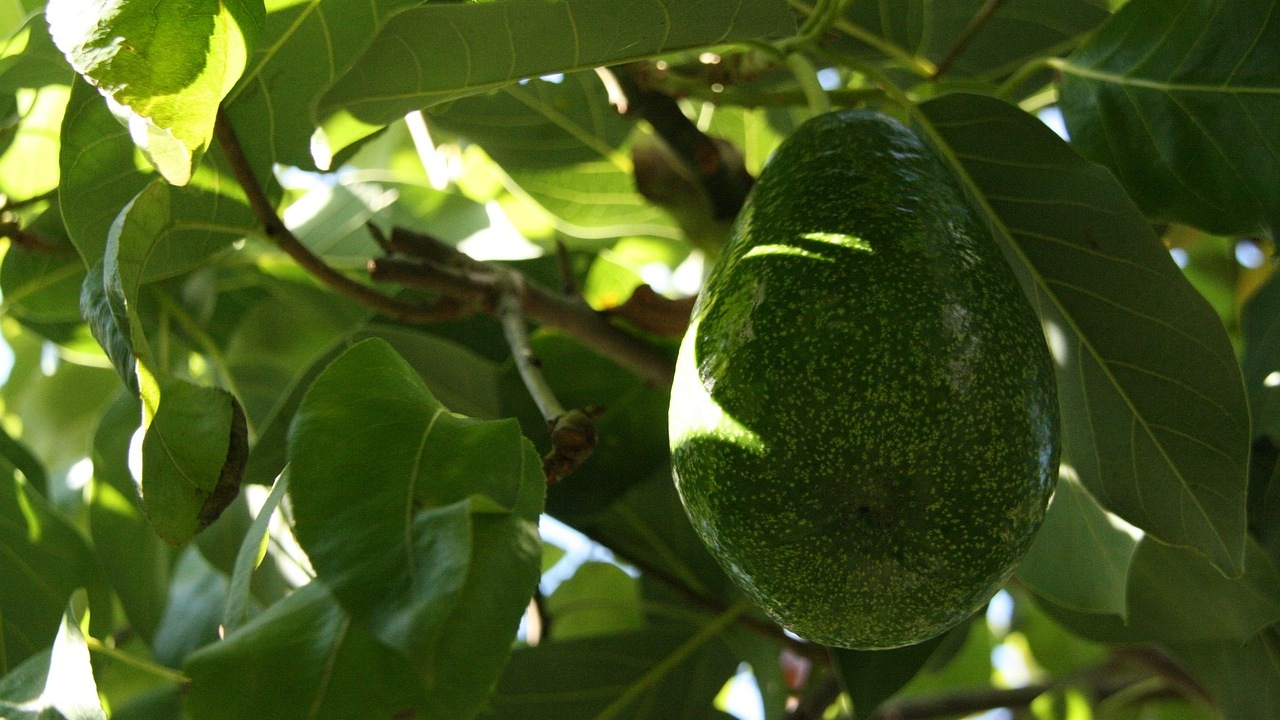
(864, 421)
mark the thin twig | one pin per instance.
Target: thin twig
(293, 247)
(7, 203)
(980, 20)
(567, 284)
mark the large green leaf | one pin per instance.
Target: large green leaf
(1243, 679)
(45, 559)
(1180, 100)
(1017, 30)
(872, 676)
(305, 659)
(59, 684)
(442, 51)
(1080, 558)
(302, 48)
(669, 670)
(1153, 406)
(167, 64)
(1176, 596)
(564, 151)
(421, 522)
(101, 173)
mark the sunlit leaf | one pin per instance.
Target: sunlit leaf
(1180, 100)
(1161, 438)
(60, 683)
(445, 576)
(600, 599)
(167, 64)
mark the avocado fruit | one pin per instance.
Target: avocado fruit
(864, 417)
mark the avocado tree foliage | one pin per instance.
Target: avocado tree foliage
(307, 301)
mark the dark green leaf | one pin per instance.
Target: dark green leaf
(193, 457)
(1017, 31)
(872, 676)
(1260, 324)
(1080, 558)
(61, 682)
(1159, 438)
(134, 560)
(167, 64)
(304, 659)
(20, 457)
(1244, 680)
(1180, 100)
(45, 560)
(101, 173)
(464, 49)
(112, 331)
(670, 670)
(197, 594)
(446, 573)
(39, 63)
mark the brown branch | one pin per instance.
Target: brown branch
(284, 239)
(477, 286)
(33, 242)
(980, 20)
(726, 183)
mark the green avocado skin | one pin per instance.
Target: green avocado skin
(864, 420)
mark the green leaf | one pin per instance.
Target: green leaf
(28, 167)
(563, 151)
(193, 457)
(1018, 31)
(1260, 325)
(273, 107)
(61, 682)
(1179, 99)
(1159, 438)
(252, 551)
(1080, 557)
(872, 676)
(1176, 596)
(465, 49)
(670, 670)
(1243, 679)
(45, 559)
(111, 330)
(446, 574)
(43, 286)
(17, 454)
(600, 599)
(134, 560)
(197, 594)
(303, 658)
(102, 173)
(167, 64)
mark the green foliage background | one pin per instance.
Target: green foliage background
(382, 557)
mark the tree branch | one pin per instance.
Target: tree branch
(293, 247)
(980, 20)
(477, 286)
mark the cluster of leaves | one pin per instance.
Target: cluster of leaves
(165, 352)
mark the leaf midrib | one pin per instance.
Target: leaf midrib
(1068, 67)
